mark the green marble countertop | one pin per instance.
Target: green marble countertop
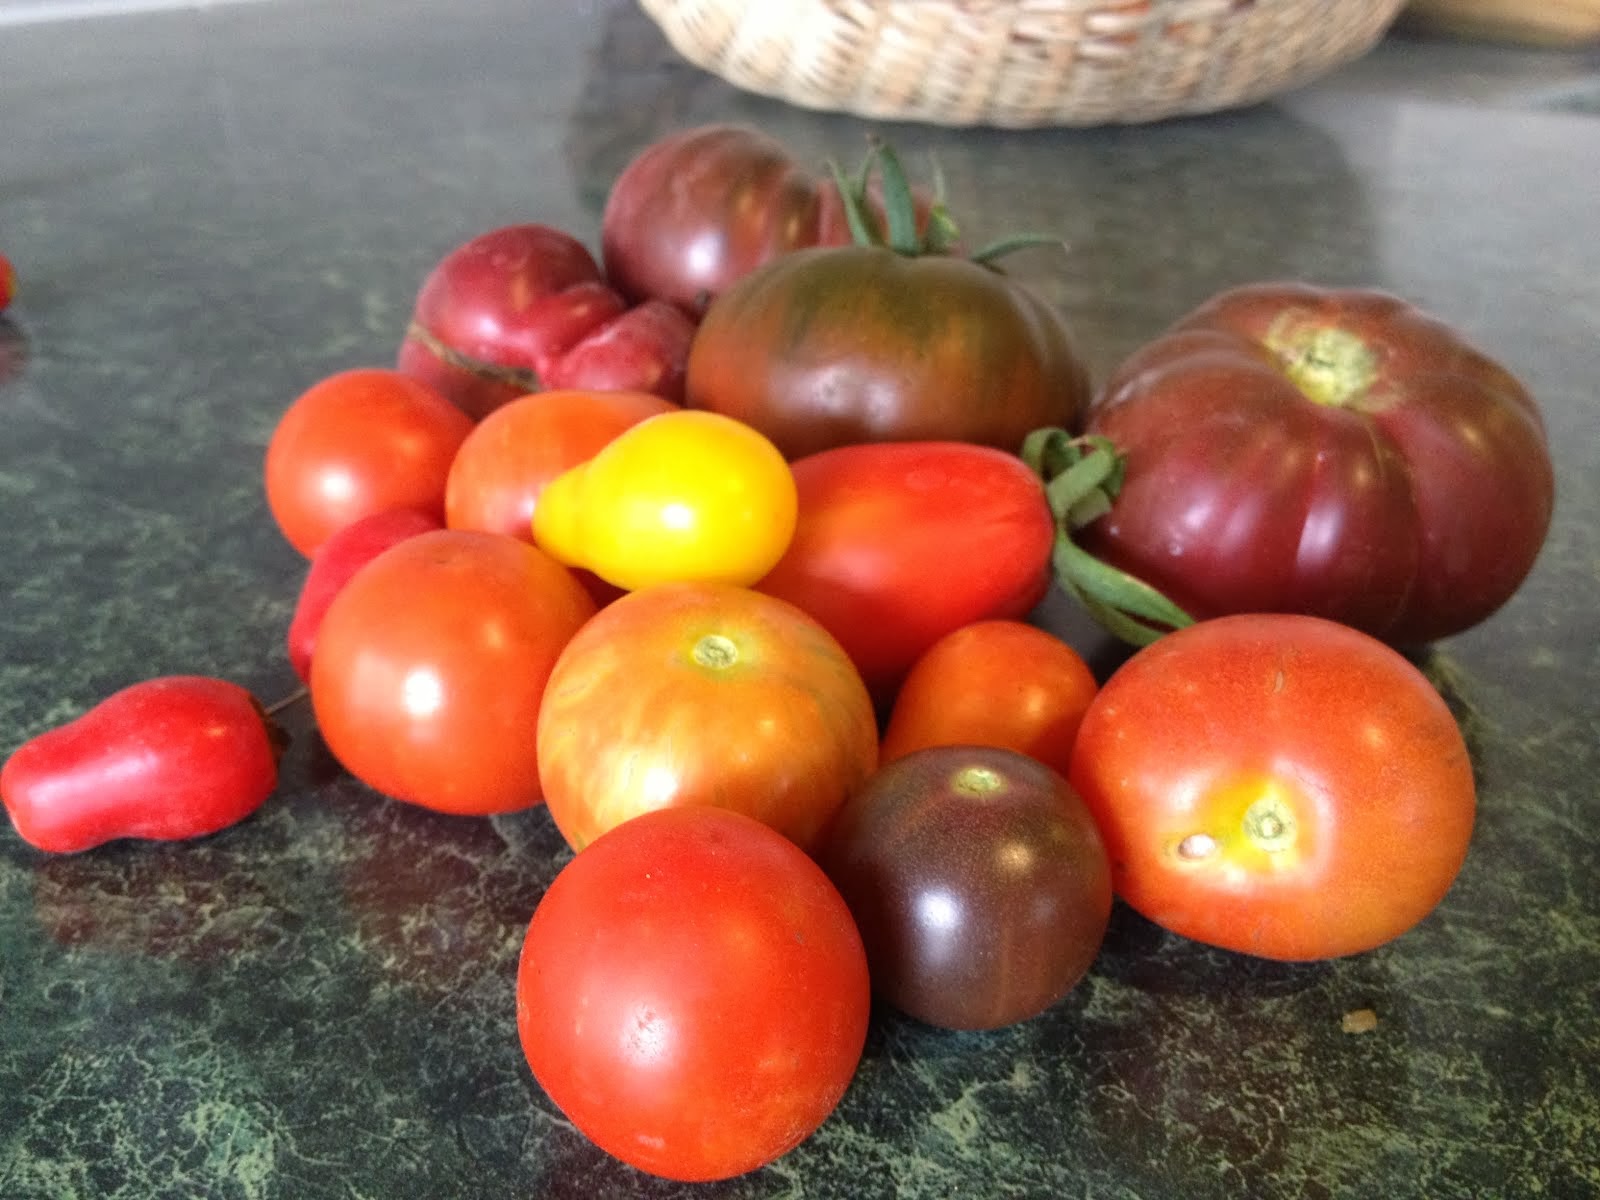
(210, 209)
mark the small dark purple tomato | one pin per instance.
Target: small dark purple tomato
(978, 880)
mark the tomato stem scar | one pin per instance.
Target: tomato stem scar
(1269, 824)
(977, 781)
(715, 651)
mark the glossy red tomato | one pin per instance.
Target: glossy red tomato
(993, 683)
(1335, 452)
(501, 468)
(702, 207)
(1280, 785)
(431, 664)
(693, 994)
(357, 443)
(829, 346)
(898, 544)
(703, 694)
(978, 881)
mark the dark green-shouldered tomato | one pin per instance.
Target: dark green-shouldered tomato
(830, 346)
(1327, 451)
(693, 994)
(979, 883)
(1280, 785)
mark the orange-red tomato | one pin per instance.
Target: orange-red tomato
(501, 468)
(357, 443)
(431, 664)
(993, 683)
(702, 693)
(1280, 785)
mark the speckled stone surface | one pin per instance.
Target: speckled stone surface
(211, 209)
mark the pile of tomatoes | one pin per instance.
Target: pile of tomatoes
(723, 551)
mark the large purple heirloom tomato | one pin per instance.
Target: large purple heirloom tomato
(1324, 451)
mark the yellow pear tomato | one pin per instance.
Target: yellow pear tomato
(684, 496)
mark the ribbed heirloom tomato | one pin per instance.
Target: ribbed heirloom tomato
(1280, 785)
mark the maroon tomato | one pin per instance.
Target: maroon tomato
(703, 694)
(993, 683)
(1333, 452)
(525, 307)
(505, 462)
(175, 757)
(1280, 785)
(357, 443)
(692, 994)
(898, 544)
(700, 208)
(978, 881)
(335, 561)
(431, 664)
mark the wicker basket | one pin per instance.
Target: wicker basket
(1023, 63)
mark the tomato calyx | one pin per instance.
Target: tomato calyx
(900, 233)
(1082, 476)
(1332, 366)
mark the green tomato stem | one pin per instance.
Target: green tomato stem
(1081, 478)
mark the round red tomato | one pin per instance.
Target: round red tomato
(899, 544)
(693, 994)
(702, 207)
(978, 881)
(503, 465)
(357, 443)
(431, 663)
(993, 683)
(703, 694)
(1333, 452)
(1280, 785)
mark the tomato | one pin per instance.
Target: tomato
(898, 544)
(506, 461)
(179, 756)
(978, 881)
(1324, 451)
(357, 443)
(693, 994)
(679, 496)
(698, 209)
(689, 694)
(1280, 785)
(525, 307)
(431, 664)
(829, 346)
(8, 282)
(335, 561)
(993, 683)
